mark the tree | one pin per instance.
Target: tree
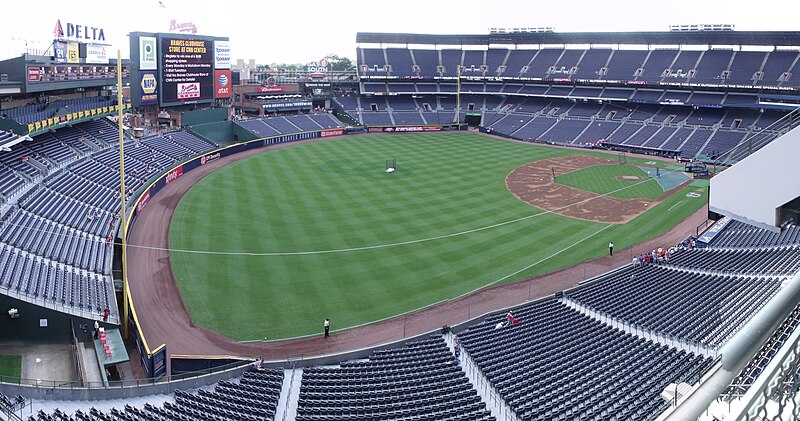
(338, 64)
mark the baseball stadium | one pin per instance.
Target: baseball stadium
(518, 225)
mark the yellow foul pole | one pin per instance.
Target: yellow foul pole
(458, 94)
(122, 213)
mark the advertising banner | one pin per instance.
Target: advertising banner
(288, 104)
(412, 129)
(188, 90)
(331, 132)
(208, 158)
(96, 54)
(262, 89)
(715, 229)
(174, 174)
(143, 201)
(222, 84)
(35, 73)
(147, 53)
(222, 55)
(149, 87)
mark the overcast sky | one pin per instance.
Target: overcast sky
(304, 31)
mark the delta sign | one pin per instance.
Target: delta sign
(78, 32)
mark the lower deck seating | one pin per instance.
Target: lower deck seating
(559, 364)
(418, 381)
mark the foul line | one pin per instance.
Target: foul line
(670, 208)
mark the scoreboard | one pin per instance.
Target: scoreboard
(179, 69)
(187, 70)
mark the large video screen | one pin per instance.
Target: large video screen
(187, 70)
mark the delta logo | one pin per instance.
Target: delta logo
(188, 90)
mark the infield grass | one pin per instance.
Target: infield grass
(437, 228)
(607, 179)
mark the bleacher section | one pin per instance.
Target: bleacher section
(695, 133)
(55, 237)
(702, 120)
(421, 380)
(698, 306)
(558, 363)
(7, 138)
(694, 296)
(739, 235)
(722, 66)
(278, 125)
(251, 397)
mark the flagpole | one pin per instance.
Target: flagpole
(123, 215)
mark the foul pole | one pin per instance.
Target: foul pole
(458, 94)
(122, 213)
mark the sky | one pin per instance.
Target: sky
(301, 32)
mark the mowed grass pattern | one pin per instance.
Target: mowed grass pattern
(605, 179)
(335, 195)
(11, 366)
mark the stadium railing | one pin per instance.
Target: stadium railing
(737, 353)
(758, 139)
(71, 390)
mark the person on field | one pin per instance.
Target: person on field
(611, 248)
(327, 326)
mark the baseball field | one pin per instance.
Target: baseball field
(271, 245)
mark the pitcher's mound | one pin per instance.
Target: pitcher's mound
(629, 178)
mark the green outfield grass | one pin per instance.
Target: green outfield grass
(605, 179)
(11, 366)
(334, 195)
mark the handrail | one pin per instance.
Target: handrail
(774, 130)
(168, 379)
